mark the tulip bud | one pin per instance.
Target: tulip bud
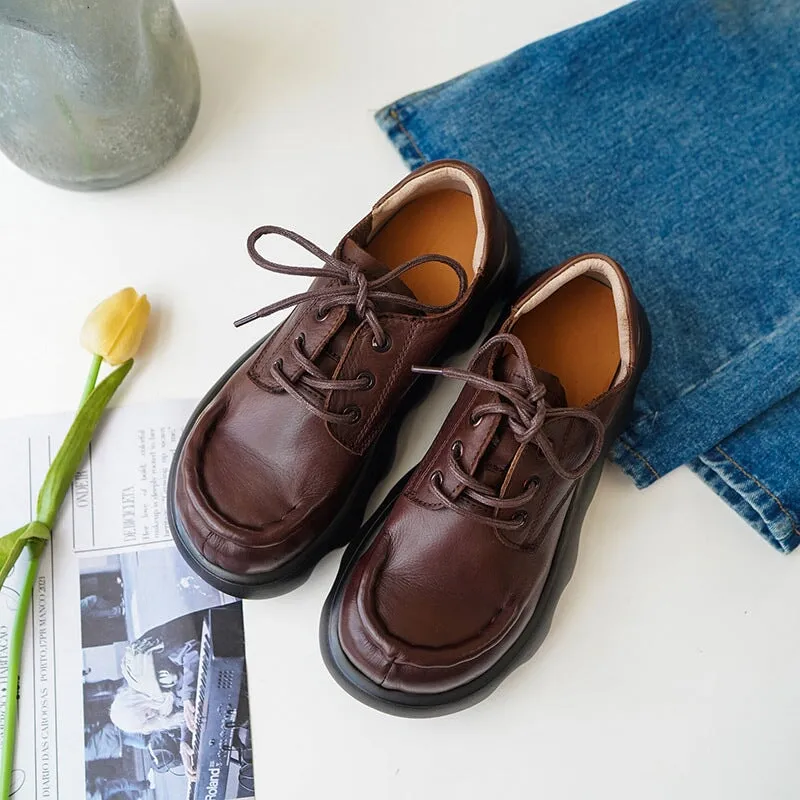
(115, 328)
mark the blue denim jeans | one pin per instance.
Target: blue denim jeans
(667, 135)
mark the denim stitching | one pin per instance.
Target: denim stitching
(784, 510)
(718, 479)
(749, 350)
(396, 117)
(640, 457)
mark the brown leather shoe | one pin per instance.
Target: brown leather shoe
(277, 463)
(457, 574)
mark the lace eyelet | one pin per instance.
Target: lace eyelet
(458, 448)
(322, 315)
(521, 518)
(534, 481)
(436, 477)
(368, 378)
(278, 364)
(354, 414)
(475, 421)
(382, 347)
(300, 341)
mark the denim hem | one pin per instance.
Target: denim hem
(743, 492)
(749, 497)
(633, 464)
(393, 121)
(709, 411)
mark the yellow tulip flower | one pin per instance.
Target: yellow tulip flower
(114, 330)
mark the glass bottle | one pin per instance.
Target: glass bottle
(94, 93)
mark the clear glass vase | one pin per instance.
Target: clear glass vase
(97, 93)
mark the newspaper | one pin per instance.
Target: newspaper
(121, 633)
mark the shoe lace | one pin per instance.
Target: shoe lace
(526, 411)
(351, 288)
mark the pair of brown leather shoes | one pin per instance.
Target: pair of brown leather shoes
(452, 582)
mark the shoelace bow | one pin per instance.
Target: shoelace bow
(350, 288)
(526, 411)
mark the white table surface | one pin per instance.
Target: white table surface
(673, 666)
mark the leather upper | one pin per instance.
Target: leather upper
(260, 476)
(440, 596)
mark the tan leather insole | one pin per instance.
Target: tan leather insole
(441, 222)
(573, 335)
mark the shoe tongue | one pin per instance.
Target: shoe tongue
(500, 450)
(508, 369)
(373, 268)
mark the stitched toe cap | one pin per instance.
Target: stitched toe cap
(405, 633)
(235, 507)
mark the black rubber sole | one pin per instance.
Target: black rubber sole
(406, 704)
(376, 463)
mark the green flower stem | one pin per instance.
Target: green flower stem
(73, 449)
(35, 535)
(14, 658)
(91, 380)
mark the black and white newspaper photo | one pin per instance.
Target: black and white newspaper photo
(134, 679)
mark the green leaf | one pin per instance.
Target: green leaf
(70, 454)
(12, 544)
